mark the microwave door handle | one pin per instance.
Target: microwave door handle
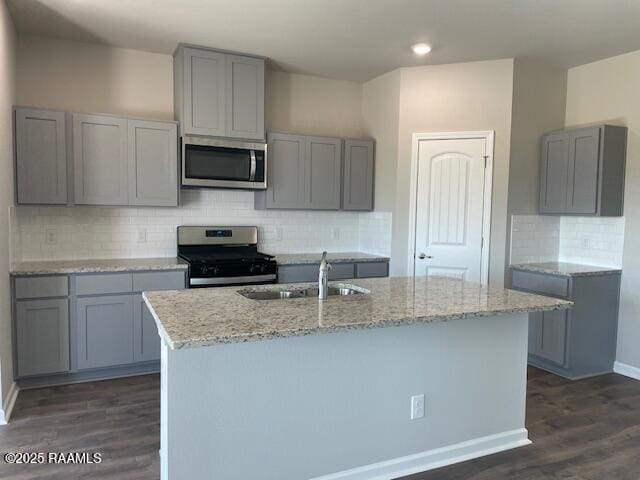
(252, 171)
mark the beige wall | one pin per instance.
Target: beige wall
(314, 105)
(7, 42)
(539, 97)
(381, 113)
(608, 91)
(444, 98)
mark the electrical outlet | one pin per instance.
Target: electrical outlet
(335, 233)
(142, 235)
(585, 243)
(51, 236)
(417, 407)
(279, 234)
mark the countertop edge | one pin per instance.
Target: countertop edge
(559, 273)
(180, 345)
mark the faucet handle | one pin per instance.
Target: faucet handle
(324, 256)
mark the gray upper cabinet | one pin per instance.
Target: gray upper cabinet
(219, 94)
(245, 97)
(306, 173)
(105, 331)
(286, 172)
(100, 160)
(323, 173)
(42, 336)
(41, 157)
(152, 160)
(357, 179)
(582, 171)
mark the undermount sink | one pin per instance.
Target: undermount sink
(302, 293)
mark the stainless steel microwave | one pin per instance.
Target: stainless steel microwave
(210, 162)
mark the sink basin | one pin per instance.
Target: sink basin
(340, 290)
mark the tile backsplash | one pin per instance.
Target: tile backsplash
(80, 232)
(590, 240)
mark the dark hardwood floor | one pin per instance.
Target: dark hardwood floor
(583, 430)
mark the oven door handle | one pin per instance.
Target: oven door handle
(232, 280)
(252, 171)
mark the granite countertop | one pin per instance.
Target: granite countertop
(62, 267)
(202, 317)
(565, 269)
(337, 257)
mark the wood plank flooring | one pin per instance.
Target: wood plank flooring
(584, 430)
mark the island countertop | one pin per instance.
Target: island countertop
(210, 316)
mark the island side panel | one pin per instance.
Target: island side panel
(303, 407)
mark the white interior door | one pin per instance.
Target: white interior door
(449, 208)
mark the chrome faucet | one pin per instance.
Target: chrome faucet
(323, 277)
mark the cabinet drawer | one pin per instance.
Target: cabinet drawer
(149, 281)
(340, 271)
(540, 283)
(372, 269)
(103, 284)
(41, 287)
(298, 273)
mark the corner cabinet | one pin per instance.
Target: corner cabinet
(582, 171)
(219, 94)
(308, 173)
(41, 147)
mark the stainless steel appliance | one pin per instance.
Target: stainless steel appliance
(225, 256)
(210, 162)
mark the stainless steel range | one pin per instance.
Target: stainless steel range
(224, 256)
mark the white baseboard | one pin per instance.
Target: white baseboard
(7, 406)
(626, 370)
(436, 458)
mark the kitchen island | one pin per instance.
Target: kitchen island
(297, 389)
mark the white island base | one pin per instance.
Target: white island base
(337, 406)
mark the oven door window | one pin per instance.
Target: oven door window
(219, 163)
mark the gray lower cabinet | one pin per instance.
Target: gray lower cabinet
(357, 178)
(582, 171)
(578, 342)
(105, 331)
(41, 157)
(42, 336)
(152, 160)
(146, 340)
(100, 160)
(339, 271)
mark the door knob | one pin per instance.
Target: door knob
(422, 256)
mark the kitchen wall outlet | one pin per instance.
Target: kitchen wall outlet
(417, 407)
(585, 242)
(335, 233)
(279, 234)
(142, 235)
(51, 236)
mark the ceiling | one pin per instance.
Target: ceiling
(349, 39)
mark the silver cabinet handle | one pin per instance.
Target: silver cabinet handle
(422, 256)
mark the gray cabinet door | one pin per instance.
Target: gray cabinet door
(105, 331)
(554, 335)
(100, 160)
(582, 185)
(153, 163)
(553, 173)
(323, 165)
(41, 156)
(204, 92)
(146, 341)
(42, 334)
(286, 181)
(535, 333)
(357, 183)
(244, 97)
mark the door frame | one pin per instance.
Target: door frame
(488, 136)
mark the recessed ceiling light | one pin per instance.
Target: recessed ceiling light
(421, 49)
